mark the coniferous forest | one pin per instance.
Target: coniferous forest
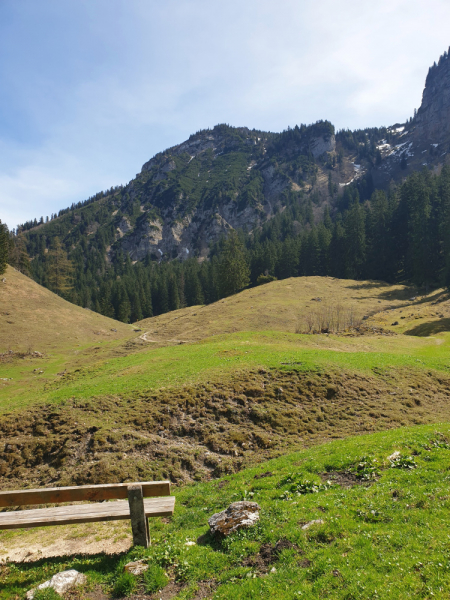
(399, 235)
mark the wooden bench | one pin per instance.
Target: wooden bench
(130, 504)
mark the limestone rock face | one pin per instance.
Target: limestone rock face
(432, 122)
(237, 516)
(321, 145)
(61, 582)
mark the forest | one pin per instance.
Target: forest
(399, 235)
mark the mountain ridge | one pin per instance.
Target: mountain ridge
(289, 194)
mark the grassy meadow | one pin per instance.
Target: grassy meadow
(275, 381)
(370, 527)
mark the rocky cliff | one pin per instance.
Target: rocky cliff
(424, 140)
(191, 194)
(432, 122)
(186, 197)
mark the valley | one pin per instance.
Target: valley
(259, 317)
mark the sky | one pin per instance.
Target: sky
(92, 89)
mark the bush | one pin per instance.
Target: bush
(262, 279)
(155, 579)
(366, 469)
(125, 585)
(46, 594)
(403, 462)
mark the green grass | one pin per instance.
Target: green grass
(387, 538)
(215, 359)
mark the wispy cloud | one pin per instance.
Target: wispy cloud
(91, 90)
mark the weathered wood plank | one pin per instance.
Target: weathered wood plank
(80, 493)
(139, 523)
(83, 513)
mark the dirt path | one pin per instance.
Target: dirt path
(34, 544)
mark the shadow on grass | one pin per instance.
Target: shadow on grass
(407, 295)
(372, 285)
(31, 573)
(207, 539)
(430, 328)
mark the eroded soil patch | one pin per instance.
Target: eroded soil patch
(202, 431)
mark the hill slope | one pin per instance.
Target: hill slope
(379, 531)
(150, 407)
(32, 317)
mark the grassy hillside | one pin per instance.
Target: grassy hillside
(34, 319)
(375, 528)
(148, 406)
(289, 304)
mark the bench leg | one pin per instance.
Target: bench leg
(139, 522)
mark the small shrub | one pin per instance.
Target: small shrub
(440, 441)
(301, 487)
(403, 462)
(125, 585)
(46, 594)
(155, 579)
(366, 469)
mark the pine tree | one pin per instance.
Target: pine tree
(60, 269)
(192, 286)
(355, 236)
(418, 194)
(174, 298)
(444, 192)
(233, 267)
(287, 265)
(4, 247)
(18, 255)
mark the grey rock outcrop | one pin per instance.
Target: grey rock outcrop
(321, 145)
(432, 122)
(237, 516)
(61, 583)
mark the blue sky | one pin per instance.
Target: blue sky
(91, 89)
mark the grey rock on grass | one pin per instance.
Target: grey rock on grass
(61, 582)
(237, 516)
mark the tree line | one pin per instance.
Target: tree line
(13, 251)
(399, 235)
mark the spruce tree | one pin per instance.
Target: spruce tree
(233, 267)
(355, 237)
(174, 298)
(18, 255)
(4, 247)
(60, 269)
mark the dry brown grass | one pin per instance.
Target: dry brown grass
(202, 431)
(280, 306)
(33, 318)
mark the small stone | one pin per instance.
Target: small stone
(237, 516)
(273, 570)
(61, 582)
(311, 523)
(136, 568)
(394, 455)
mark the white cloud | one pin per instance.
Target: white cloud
(93, 91)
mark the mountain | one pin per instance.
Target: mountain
(291, 195)
(423, 141)
(187, 196)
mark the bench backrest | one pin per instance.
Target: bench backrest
(108, 491)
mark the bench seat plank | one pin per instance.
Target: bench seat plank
(83, 513)
(80, 493)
